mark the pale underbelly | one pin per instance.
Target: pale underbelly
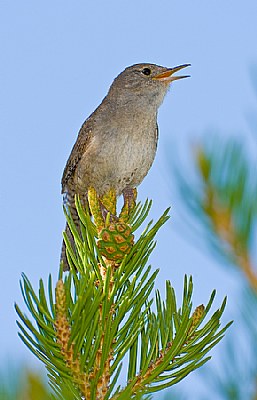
(123, 166)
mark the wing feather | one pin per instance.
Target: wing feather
(79, 148)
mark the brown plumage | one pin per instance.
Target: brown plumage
(116, 145)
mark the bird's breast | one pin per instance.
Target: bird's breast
(118, 157)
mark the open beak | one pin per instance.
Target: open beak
(167, 76)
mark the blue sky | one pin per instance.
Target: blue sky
(58, 59)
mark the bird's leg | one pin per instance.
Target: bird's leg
(129, 197)
(104, 212)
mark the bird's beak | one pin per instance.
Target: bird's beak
(167, 76)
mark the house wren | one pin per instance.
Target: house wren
(116, 145)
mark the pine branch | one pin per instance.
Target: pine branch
(225, 202)
(103, 312)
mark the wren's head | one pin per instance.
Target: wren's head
(144, 84)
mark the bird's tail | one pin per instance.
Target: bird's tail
(64, 259)
(69, 202)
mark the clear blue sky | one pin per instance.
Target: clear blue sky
(58, 59)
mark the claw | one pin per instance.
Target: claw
(105, 212)
(129, 197)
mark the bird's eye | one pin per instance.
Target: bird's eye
(146, 71)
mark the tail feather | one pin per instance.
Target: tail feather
(69, 202)
(66, 266)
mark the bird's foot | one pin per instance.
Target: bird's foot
(105, 212)
(129, 196)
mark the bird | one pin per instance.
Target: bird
(117, 143)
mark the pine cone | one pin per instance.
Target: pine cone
(115, 241)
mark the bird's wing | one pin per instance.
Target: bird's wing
(79, 148)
